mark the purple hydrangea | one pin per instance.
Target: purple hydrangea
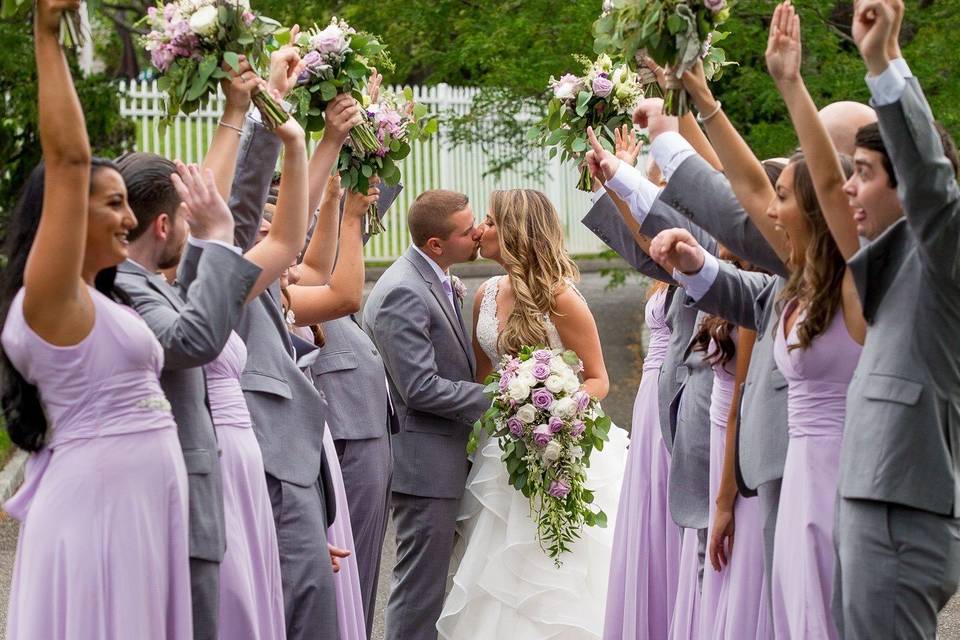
(555, 424)
(559, 489)
(542, 435)
(541, 371)
(515, 425)
(542, 399)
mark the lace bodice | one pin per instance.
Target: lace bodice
(488, 328)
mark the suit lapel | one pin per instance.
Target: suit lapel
(436, 288)
(156, 282)
(874, 267)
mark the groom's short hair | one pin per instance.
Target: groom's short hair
(429, 215)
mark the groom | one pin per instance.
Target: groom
(414, 316)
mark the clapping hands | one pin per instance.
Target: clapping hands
(207, 214)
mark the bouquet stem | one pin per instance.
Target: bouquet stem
(586, 180)
(372, 225)
(364, 139)
(71, 29)
(675, 100)
(272, 113)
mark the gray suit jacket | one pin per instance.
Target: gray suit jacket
(193, 322)
(430, 364)
(704, 195)
(902, 434)
(686, 379)
(288, 412)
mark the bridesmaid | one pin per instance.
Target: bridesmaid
(103, 539)
(646, 543)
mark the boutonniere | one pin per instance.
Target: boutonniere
(459, 289)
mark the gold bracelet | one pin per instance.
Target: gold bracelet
(230, 126)
(705, 119)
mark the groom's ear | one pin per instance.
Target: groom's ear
(433, 247)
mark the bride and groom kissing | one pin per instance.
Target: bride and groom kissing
(504, 585)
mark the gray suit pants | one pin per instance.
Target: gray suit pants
(768, 494)
(309, 595)
(205, 594)
(425, 533)
(896, 568)
(367, 467)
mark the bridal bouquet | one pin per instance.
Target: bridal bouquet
(395, 122)
(188, 42)
(336, 59)
(674, 33)
(603, 98)
(547, 427)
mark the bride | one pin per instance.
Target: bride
(505, 585)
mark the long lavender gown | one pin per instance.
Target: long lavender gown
(803, 556)
(251, 593)
(646, 543)
(720, 400)
(103, 547)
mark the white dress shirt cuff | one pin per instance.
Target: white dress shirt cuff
(669, 151)
(197, 242)
(596, 195)
(697, 284)
(887, 87)
(901, 65)
(635, 189)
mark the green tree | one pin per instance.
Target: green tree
(110, 134)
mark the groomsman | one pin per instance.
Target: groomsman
(414, 317)
(898, 520)
(192, 319)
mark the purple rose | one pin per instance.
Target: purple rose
(515, 425)
(542, 435)
(504, 382)
(542, 399)
(577, 428)
(541, 371)
(559, 489)
(555, 424)
(542, 355)
(602, 86)
(715, 5)
(582, 398)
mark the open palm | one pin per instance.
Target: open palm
(783, 45)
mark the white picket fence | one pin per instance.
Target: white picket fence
(432, 164)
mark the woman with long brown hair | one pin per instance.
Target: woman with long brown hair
(505, 585)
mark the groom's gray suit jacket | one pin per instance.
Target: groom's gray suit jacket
(704, 196)
(686, 379)
(902, 433)
(430, 364)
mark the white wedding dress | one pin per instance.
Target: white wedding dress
(504, 585)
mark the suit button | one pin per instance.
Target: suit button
(219, 453)
(374, 352)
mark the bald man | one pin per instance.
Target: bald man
(843, 119)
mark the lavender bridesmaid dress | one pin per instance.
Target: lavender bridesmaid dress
(103, 547)
(685, 624)
(803, 557)
(646, 543)
(251, 594)
(720, 400)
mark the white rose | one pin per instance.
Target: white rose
(571, 383)
(575, 451)
(527, 378)
(557, 365)
(552, 451)
(527, 413)
(204, 21)
(554, 384)
(564, 408)
(517, 390)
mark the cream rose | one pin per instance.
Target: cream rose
(518, 390)
(527, 413)
(204, 21)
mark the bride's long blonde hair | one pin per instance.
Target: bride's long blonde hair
(532, 251)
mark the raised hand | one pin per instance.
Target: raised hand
(285, 65)
(341, 115)
(893, 43)
(49, 12)
(627, 145)
(695, 82)
(649, 115)
(873, 27)
(373, 86)
(721, 538)
(207, 213)
(603, 164)
(357, 204)
(290, 132)
(238, 88)
(783, 45)
(678, 249)
(657, 70)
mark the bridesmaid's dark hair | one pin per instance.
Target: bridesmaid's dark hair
(25, 419)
